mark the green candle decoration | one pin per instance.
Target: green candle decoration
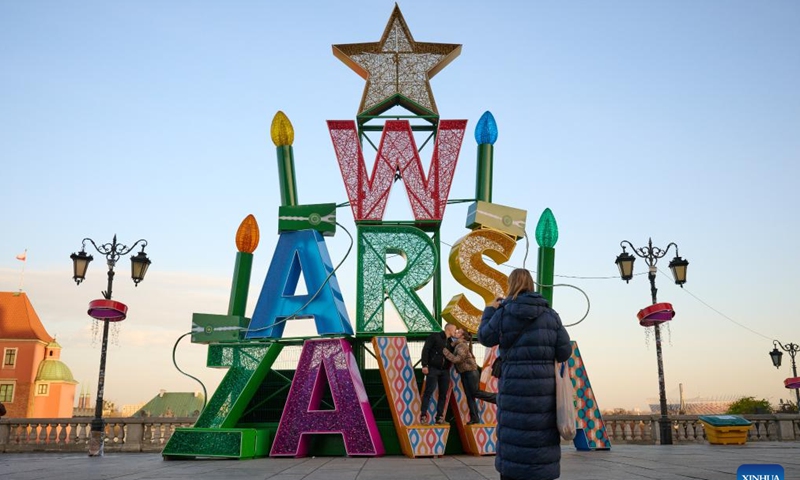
(546, 238)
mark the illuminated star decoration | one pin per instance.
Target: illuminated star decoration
(397, 69)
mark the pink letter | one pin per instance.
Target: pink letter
(328, 361)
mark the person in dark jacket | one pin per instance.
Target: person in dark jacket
(531, 338)
(436, 369)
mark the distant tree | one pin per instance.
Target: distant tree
(786, 407)
(749, 405)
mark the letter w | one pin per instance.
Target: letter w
(397, 154)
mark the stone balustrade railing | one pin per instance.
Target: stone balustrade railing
(151, 434)
(643, 429)
(72, 434)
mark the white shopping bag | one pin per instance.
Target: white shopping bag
(565, 402)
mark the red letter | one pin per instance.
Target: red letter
(397, 154)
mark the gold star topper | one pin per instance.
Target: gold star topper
(397, 69)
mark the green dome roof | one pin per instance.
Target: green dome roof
(54, 371)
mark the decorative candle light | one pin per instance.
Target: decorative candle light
(247, 237)
(486, 136)
(546, 238)
(282, 134)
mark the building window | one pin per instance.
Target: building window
(6, 392)
(9, 357)
(42, 389)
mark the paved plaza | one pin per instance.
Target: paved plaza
(622, 462)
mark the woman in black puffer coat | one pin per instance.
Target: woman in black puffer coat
(531, 338)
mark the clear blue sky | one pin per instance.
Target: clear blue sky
(672, 119)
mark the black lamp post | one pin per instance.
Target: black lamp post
(777, 355)
(80, 262)
(651, 254)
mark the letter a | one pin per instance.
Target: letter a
(301, 251)
(328, 361)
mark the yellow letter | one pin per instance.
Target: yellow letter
(469, 269)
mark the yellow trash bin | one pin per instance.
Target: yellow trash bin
(725, 429)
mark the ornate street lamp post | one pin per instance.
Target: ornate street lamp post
(106, 310)
(651, 254)
(777, 355)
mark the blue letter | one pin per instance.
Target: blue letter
(301, 251)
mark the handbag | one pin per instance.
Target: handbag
(565, 402)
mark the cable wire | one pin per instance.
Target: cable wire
(588, 302)
(717, 311)
(527, 247)
(174, 362)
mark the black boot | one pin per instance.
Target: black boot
(488, 397)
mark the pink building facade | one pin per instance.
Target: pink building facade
(34, 382)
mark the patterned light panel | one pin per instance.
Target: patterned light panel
(301, 251)
(397, 154)
(375, 285)
(489, 384)
(397, 374)
(469, 269)
(327, 362)
(397, 65)
(591, 429)
(248, 366)
(480, 439)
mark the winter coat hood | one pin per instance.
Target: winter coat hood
(527, 305)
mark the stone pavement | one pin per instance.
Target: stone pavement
(674, 462)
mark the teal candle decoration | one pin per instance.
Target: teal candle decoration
(547, 229)
(546, 237)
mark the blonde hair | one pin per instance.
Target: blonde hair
(519, 281)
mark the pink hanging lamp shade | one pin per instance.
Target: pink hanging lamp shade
(655, 314)
(793, 382)
(110, 310)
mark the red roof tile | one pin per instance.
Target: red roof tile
(18, 319)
